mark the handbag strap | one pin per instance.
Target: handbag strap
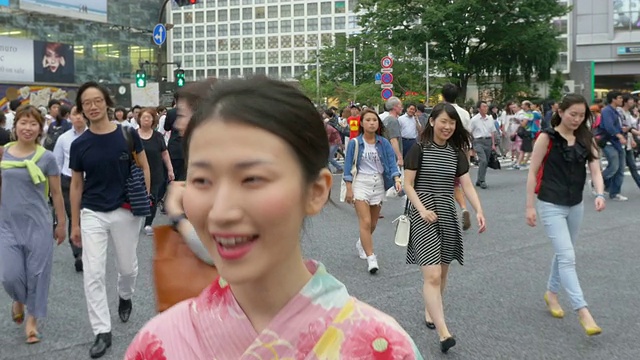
(354, 167)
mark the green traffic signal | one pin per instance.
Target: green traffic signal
(141, 78)
(179, 74)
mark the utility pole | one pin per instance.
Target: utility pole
(159, 53)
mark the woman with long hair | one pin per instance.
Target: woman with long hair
(557, 175)
(377, 172)
(435, 238)
(30, 174)
(253, 177)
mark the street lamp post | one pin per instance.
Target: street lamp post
(427, 72)
(317, 45)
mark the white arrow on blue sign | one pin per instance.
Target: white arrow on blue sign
(159, 34)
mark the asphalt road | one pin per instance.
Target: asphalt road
(494, 303)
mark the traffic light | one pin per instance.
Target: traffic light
(179, 75)
(141, 78)
(186, 2)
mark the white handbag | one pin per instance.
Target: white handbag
(354, 172)
(403, 226)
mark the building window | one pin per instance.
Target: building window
(211, 30)
(285, 11)
(211, 59)
(353, 22)
(326, 40)
(247, 58)
(261, 71)
(247, 44)
(298, 25)
(188, 32)
(235, 72)
(177, 47)
(285, 41)
(200, 61)
(222, 15)
(234, 59)
(188, 47)
(562, 62)
(200, 17)
(223, 30)
(325, 23)
(247, 28)
(340, 7)
(285, 26)
(177, 18)
(188, 18)
(247, 71)
(260, 28)
(247, 2)
(260, 43)
(211, 16)
(339, 23)
(223, 45)
(222, 3)
(312, 9)
(298, 41)
(298, 10)
(177, 33)
(285, 72)
(273, 27)
(272, 12)
(188, 61)
(234, 14)
(273, 57)
(223, 73)
(188, 75)
(223, 60)
(260, 12)
(247, 13)
(234, 44)
(298, 56)
(285, 57)
(211, 3)
(312, 24)
(298, 71)
(234, 29)
(234, 2)
(312, 39)
(325, 8)
(273, 42)
(560, 25)
(260, 58)
(200, 31)
(200, 46)
(177, 59)
(626, 15)
(274, 71)
(211, 72)
(211, 45)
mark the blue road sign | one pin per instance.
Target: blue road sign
(387, 78)
(159, 34)
(386, 94)
(378, 77)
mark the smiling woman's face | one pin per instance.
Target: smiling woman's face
(246, 198)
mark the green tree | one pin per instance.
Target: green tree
(555, 87)
(511, 39)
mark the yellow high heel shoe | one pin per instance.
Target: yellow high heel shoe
(558, 314)
(591, 331)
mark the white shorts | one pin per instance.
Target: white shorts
(368, 188)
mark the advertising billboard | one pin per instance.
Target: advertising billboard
(93, 10)
(28, 61)
(35, 95)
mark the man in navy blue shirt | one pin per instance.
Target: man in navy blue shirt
(100, 161)
(610, 129)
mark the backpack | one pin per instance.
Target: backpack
(53, 133)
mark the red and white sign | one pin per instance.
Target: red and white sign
(386, 62)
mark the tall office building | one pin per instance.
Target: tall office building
(233, 38)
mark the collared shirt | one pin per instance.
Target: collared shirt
(408, 127)
(62, 149)
(9, 124)
(482, 127)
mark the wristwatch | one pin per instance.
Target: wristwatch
(175, 220)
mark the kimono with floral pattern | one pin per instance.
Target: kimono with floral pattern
(320, 322)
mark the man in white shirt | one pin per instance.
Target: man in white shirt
(13, 106)
(483, 130)
(61, 153)
(409, 129)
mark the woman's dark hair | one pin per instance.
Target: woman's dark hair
(371, 111)
(507, 108)
(122, 110)
(92, 84)
(583, 134)
(460, 139)
(63, 113)
(270, 105)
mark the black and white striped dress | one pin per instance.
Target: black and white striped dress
(439, 242)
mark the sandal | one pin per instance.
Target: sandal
(17, 318)
(33, 337)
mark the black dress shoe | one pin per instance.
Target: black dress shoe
(447, 344)
(430, 325)
(78, 265)
(124, 309)
(100, 346)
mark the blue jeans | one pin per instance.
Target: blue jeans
(332, 157)
(562, 224)
(613, 175)
(631, 164)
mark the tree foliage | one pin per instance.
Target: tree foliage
(514, 40)
(555, 87)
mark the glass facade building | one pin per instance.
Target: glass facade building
(104, 51)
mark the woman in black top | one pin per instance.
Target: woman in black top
(557, 175)
(157, 154)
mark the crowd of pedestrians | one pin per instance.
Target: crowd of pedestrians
(242, 185)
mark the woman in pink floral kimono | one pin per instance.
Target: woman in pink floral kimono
(257, 167)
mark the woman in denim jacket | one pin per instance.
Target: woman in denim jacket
(376, 172)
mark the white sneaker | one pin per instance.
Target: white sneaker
(619, 198)
(361, 252)
(372, 261)
(148, 230)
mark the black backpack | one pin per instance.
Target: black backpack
(53, 133)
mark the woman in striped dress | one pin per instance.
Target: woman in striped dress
(435, 237)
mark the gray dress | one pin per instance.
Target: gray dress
(26, 235)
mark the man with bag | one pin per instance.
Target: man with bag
(103, 205)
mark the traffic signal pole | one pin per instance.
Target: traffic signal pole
(159, 54)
